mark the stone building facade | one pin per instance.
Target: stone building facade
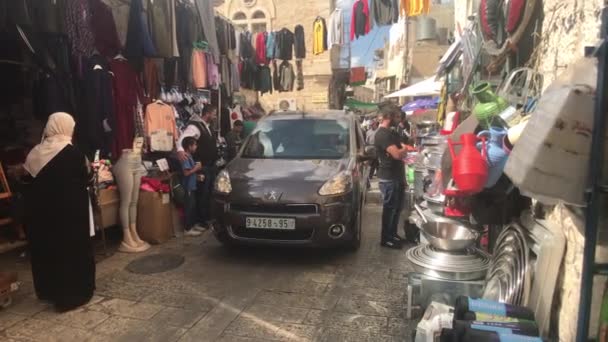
(273, 15)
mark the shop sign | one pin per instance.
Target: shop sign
(319, 98)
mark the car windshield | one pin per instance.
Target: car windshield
(298, 139)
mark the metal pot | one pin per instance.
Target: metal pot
(449, 235)
(435, 204)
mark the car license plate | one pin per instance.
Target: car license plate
(270, 223)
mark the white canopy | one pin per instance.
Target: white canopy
(424, 88)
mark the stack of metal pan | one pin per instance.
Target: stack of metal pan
(468, 264)
(508, 279)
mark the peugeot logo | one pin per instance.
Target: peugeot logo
(272, 196)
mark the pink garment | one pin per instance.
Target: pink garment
(156, 185)
(213, 72)
(260, 49)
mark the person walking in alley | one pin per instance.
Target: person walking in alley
(391, 174)
(370, 137)
(234, 139)
(199, 128)
(189, 170)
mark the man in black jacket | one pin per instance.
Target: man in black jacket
(200, 128)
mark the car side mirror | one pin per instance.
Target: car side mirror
(369, 153)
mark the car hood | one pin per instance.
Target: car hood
(284, 170)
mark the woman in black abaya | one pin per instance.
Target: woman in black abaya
(57, 218)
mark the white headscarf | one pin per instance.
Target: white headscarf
(57, 135)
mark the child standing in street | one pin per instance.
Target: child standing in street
(189, 169)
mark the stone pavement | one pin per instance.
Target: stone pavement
(242, 295)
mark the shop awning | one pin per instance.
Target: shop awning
(427, 87)
(356, 104)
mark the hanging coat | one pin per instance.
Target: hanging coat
(127, 92)
(300, 45)
(359, 24)
(104, 29)
(384, 12)
(139, 43)
(286, 76)
(285, 41)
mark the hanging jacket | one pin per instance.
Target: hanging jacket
(319, 36)
(248, 73)
(300, 45)
(263, 80)
(299, 75)
(286, 76)
(384, 12)
(359, 24)
(245, 45)
(260, 48)
(276, 81)
(335, 30)
(270, 42)
(285, 40)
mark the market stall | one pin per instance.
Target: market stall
(487, 151)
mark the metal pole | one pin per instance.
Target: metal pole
(595, 174)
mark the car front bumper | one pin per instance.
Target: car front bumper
(312, 226)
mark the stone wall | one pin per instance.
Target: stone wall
(568, 27)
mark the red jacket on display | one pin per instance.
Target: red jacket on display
(260, 48)
(359, 24)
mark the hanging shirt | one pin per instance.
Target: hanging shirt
(319, 36)
(285, 40)
(160, 117)
(260, 48)
(270, 42)
(384, 12)
(413, 8)
(359, 24)
(335, 31)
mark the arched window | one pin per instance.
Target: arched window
(239, 16)
(258, 15)
(258, 22)
(240, 21)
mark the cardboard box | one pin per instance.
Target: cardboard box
(109, 205)
(154, 217)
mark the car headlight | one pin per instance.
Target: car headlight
(222, 183)
(337, 185)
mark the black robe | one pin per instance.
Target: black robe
(57, 225)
